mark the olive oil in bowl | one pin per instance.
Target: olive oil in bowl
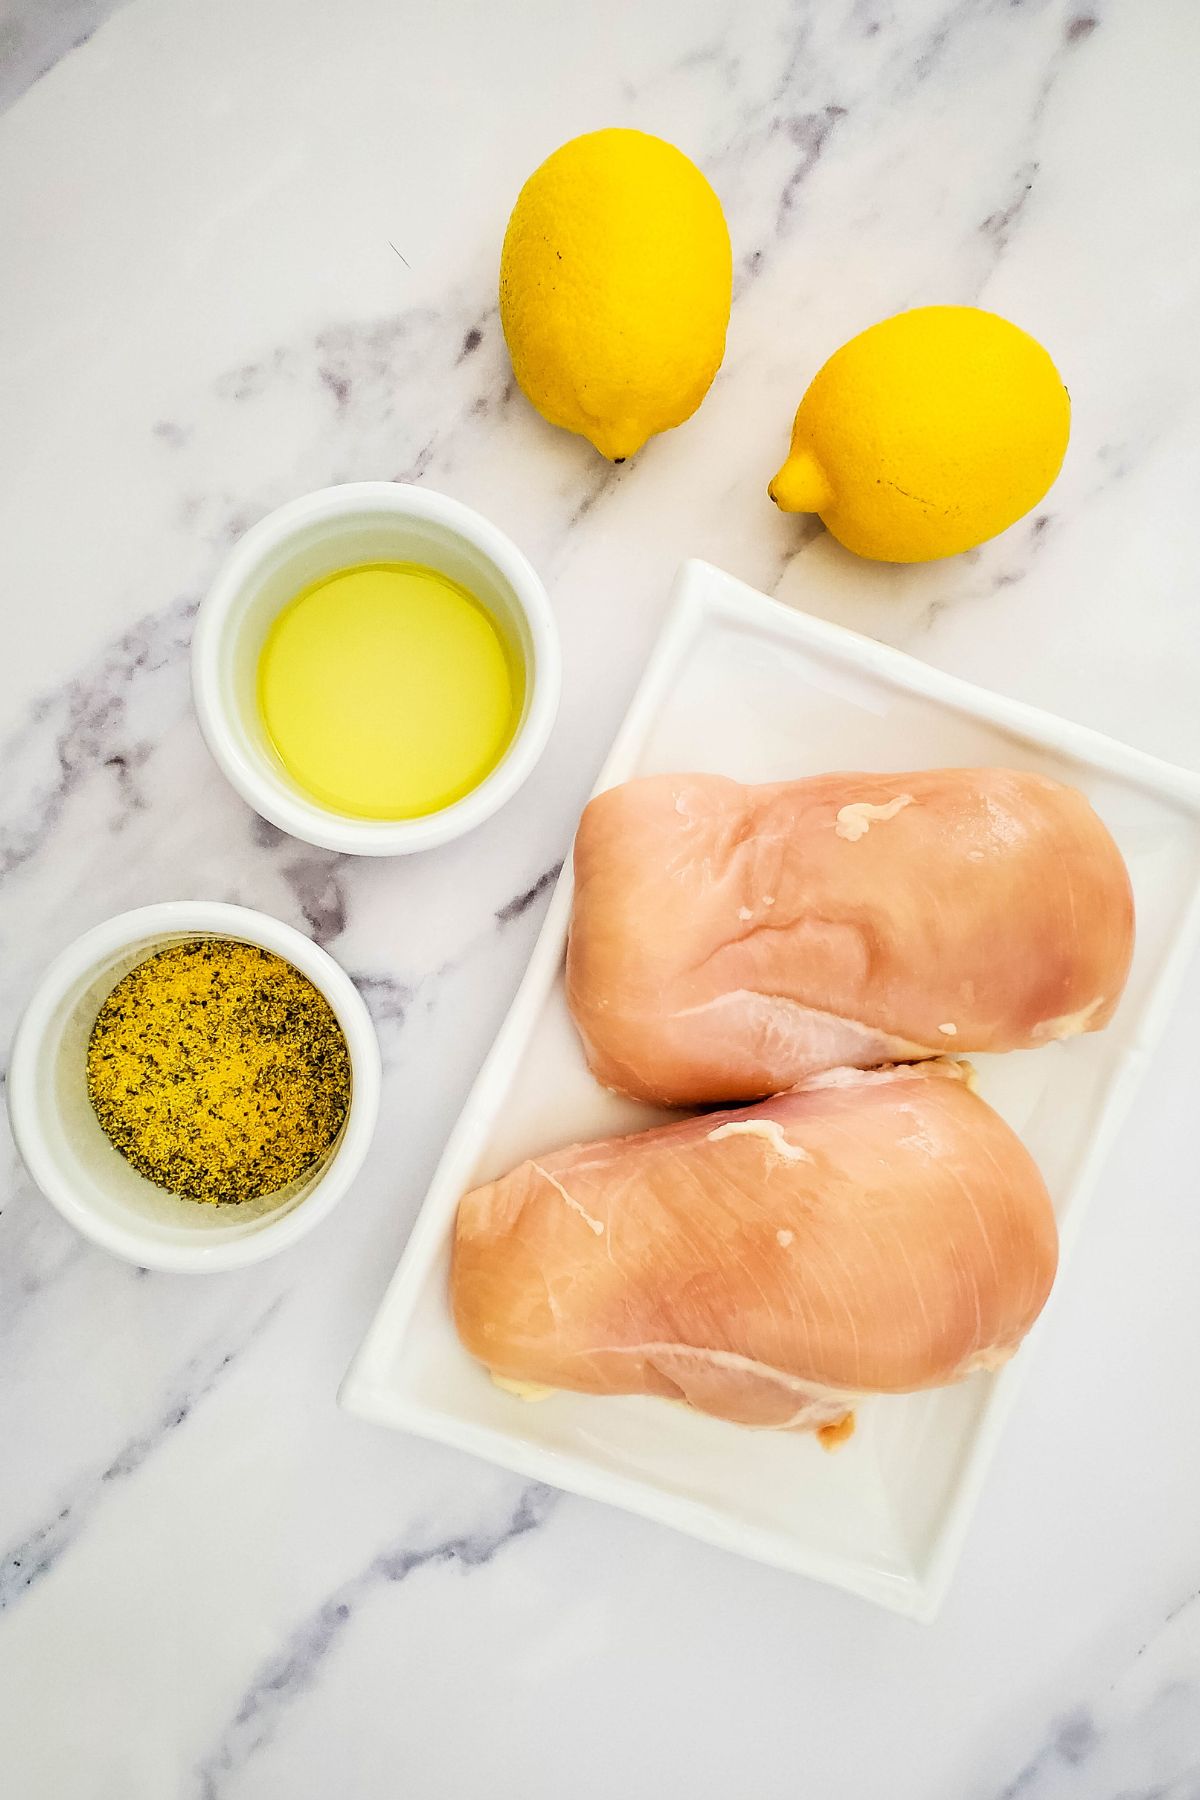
(388, 691)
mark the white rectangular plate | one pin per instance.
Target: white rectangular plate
(740, 685)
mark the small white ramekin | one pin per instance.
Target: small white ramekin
(362, 522)
(89, 1181)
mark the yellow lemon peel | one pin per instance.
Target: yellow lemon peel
(615, 285)
(927, 434)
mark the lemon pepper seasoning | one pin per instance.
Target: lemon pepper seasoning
(218, 1070)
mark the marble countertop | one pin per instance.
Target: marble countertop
(249, 250)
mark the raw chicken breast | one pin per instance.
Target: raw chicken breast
(729, 940)
(869, 1233)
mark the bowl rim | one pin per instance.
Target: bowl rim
(307, 819)
(219, 918)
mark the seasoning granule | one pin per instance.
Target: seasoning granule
(218, 1070)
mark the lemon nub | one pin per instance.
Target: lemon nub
(801, 485)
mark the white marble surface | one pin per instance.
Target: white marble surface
(252, 249)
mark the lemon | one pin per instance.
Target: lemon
(926, 434)
(615, 283)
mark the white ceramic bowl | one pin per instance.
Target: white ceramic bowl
(89, 1181)
(364, 521)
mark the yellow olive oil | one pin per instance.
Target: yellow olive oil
(388, 691)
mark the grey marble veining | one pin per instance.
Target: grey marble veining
(35, 35)
(1136, 1737)
(283, 1679)
(26, 1563)
(231, 276)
